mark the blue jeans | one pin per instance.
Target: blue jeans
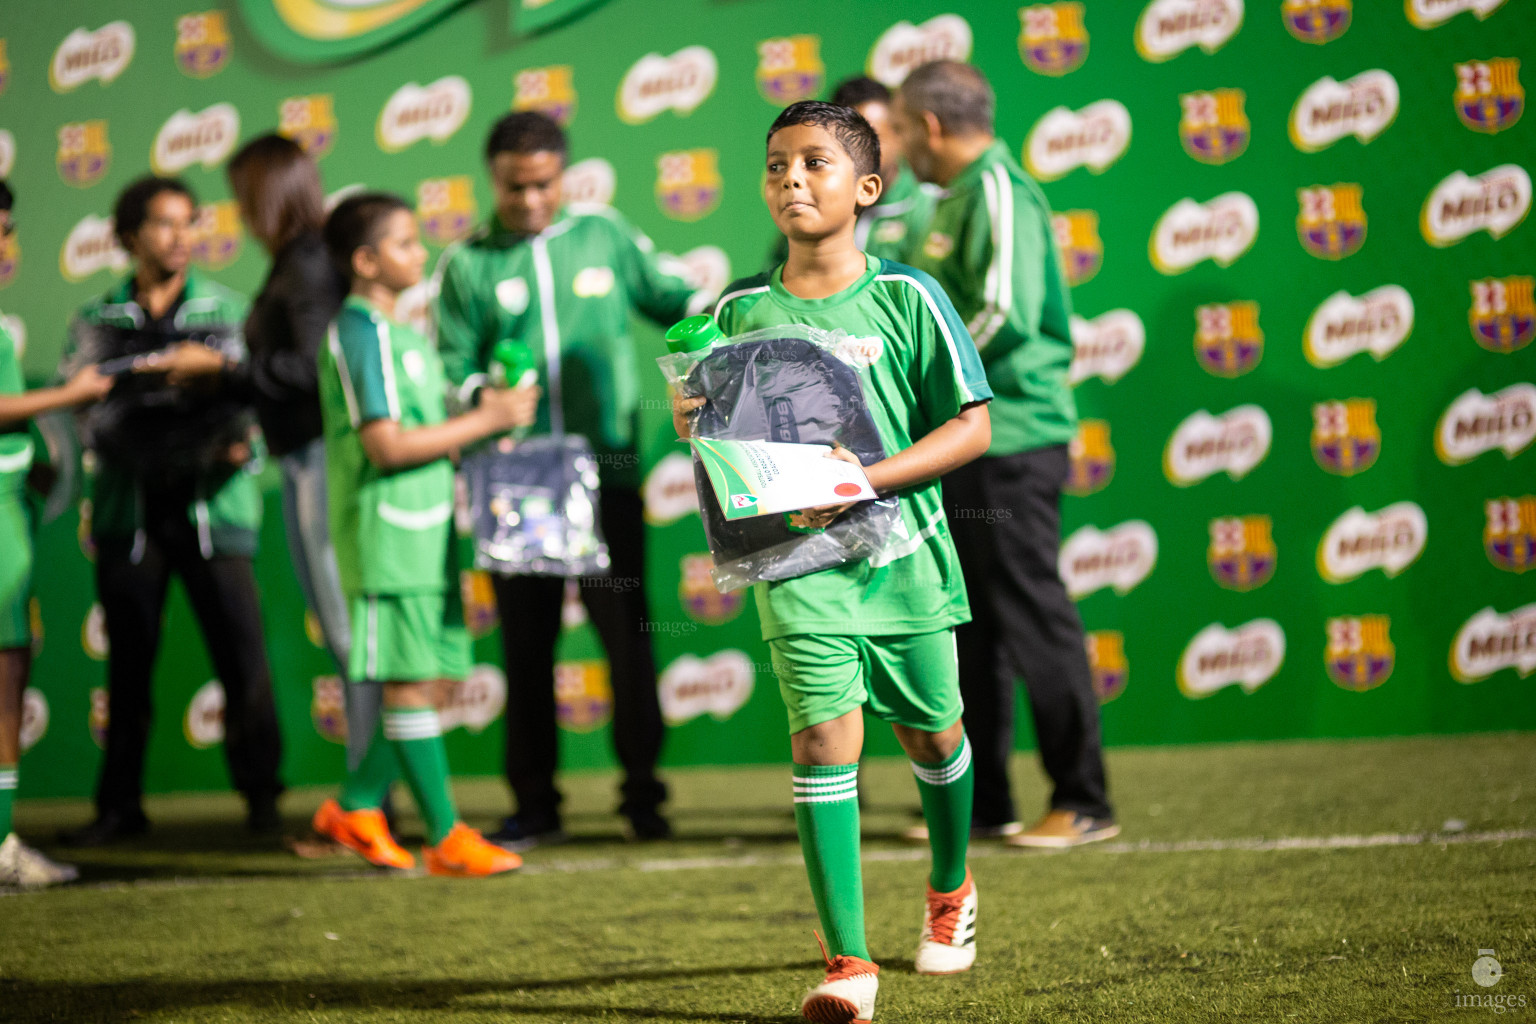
(306, 520)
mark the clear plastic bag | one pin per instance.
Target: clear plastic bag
(534, 508)
(787, 384)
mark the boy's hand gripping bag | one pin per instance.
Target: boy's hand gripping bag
(785, 384)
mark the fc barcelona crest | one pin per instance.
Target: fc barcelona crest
(688, 184)
(701, 599)
(202, 43)
(5, 68)
(1331, 222)
(10, 258)
(1503, 313)
(84, 153)
(1214, 127)
(479, 599)
(583, 695)
(790, 70)
(216, 235)
(328, 710)
(551, 91)
(1228, 342)
(1345, 437)
(310, 121)
(1052, 38)
(446, 208)
(1093, 459)
(1077, 238)
(1489, 97)
(1106, 662)
(1316, 21)
(1360, 655)
(1242, 554)
(1510, 536)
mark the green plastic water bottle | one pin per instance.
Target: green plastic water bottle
(512, 364)
(696, 335)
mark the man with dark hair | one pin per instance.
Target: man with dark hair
(991, 246)
(565, 281)
(173, 494)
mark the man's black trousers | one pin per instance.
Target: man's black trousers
(1005, 515)
(530, 626)
(222, 593)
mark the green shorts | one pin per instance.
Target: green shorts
(910, 679)
(15, 573)
(408, 638)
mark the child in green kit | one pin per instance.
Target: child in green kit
(875, 634)
(388, 439)
(20, 865)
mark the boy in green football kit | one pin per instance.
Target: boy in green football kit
(387, 445)
(20, 865)
(876, 633)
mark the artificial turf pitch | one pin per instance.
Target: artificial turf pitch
(1402, 859)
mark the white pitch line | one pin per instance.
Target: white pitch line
(594, 865)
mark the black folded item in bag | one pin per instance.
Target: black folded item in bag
(534, 508)
(788, 390)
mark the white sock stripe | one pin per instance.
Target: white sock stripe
(828, 798)
(946, 774)
(826, 780)
(840, 791)
(8, 778)
(411, 725)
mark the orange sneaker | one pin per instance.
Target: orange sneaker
(464, 853)
(847, 996)
(365, 832)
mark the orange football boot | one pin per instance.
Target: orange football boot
(464, 853)
(365, 832)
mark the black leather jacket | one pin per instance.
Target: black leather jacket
(287, 325)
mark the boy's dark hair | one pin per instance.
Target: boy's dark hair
(358, 220)
(7, 197)
(957, 94)
(845, 124)
(132, 208)
(859, 90)
(527, 131)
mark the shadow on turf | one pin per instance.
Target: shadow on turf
(114, 999)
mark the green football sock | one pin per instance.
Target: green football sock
(368, 784)
(946, 790)
(418, 740)
(827, 817)
(8, 776)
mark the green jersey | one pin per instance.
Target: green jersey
(391, 528)
(893, 226)
(918, 368)
(990, 245)
(568, 293)
(15, 439)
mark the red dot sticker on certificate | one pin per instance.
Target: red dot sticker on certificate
(754, 478)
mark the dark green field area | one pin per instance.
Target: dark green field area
(1316, 881)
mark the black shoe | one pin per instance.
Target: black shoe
(262, 817)
(109, 827)
(646, 826)
(523, 832)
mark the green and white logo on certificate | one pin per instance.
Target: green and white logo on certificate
(756, 478)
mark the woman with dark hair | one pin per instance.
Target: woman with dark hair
(283, 206)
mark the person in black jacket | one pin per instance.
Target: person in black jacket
(283, 206)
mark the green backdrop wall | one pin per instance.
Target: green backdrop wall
(1303, 487)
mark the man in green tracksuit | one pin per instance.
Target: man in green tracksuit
(565, 281)
(172, 494)
(991, 246)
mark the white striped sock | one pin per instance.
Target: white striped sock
(411, 725)
(949, 772)
(825, 789)
(8, 778)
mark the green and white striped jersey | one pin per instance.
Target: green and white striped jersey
(16, 442)
(918, 368)
(391, 529)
